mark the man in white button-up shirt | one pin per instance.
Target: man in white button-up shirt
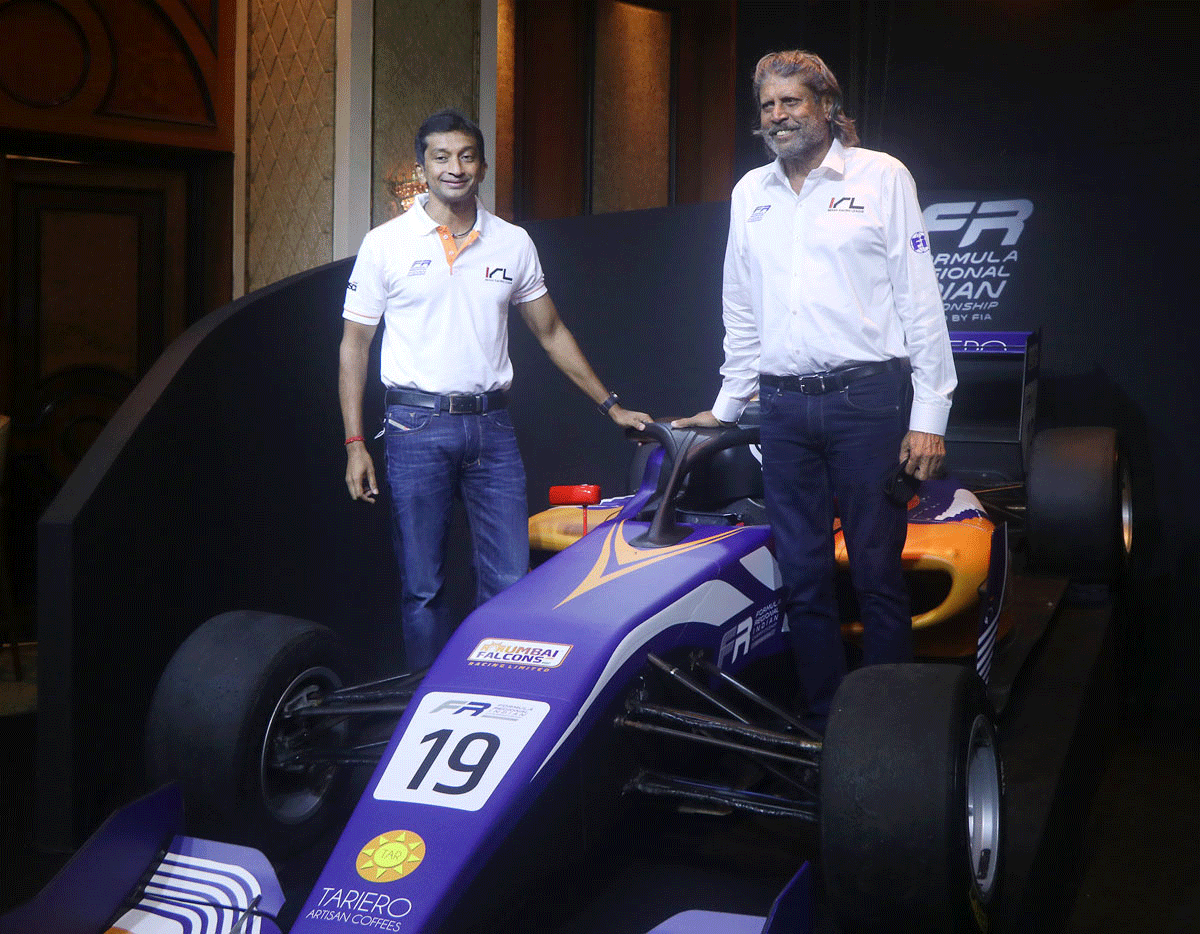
(441, 277)
(834, 317)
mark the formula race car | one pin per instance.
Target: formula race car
(644, 664)
(624, 666)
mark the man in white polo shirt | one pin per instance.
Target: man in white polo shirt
(834, 316)
(441, 277)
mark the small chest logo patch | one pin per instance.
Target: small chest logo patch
(845, 204)
(419, 267)
(920, 243)
(757, 213)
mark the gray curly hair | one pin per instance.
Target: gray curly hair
(817, 76)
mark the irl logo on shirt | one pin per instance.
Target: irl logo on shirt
(419, 267)
(845, 204)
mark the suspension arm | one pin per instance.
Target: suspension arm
(752, 751)
(670, 786)
(364, 754)
(745, 731)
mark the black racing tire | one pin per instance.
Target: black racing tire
(218, 724)
(911, 801)
(1079, 509)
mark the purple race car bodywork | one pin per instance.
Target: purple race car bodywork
(522, 683)
(622, 668)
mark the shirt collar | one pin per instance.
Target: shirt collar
(427, 224)
(833, 164)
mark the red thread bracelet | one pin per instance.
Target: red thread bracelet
(355, 438)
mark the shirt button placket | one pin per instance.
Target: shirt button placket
(797, 250)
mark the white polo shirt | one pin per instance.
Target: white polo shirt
(840, 273)
(444, 303)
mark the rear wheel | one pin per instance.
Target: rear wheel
(226, 723)
(1079, 505)
(911, 801)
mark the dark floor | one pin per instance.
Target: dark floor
(1140, 870)
(1131, 867)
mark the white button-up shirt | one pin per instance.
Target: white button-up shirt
(444, 303)
(838, 274)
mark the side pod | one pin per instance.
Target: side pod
(993, 601)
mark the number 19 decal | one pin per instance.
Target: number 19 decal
(457, 748)
(475, 770)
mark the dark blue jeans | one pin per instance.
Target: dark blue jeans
(827, 455)
(431, 456)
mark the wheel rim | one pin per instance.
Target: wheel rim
(983, 806)
(293, 792)
(1125, 492)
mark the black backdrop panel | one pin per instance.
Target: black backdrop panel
(641, 292)
(217, 485)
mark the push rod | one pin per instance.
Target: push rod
(757, 698)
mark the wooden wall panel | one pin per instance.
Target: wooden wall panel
(705, 128)
(551, 109)
(631, 108)
(581, 111)
(142, 71)
(426, 58)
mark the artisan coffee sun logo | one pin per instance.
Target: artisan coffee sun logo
(390, 856)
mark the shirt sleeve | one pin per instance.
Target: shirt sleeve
(740, 370)
(918, 301)
(366, 292)
(530, 281)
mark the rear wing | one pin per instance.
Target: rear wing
(995, 405)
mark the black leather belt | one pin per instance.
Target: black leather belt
(816, 384)
(455, 403)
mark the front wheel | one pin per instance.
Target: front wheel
(911, 801)
(227, 725)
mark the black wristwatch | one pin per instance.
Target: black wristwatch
(607, 403)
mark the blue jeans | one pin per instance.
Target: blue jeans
(431, 456)
(825, 455)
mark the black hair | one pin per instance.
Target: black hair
(447, 121)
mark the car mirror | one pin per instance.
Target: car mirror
(579, 494)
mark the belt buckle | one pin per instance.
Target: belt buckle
(813, 385)
(463, 405)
